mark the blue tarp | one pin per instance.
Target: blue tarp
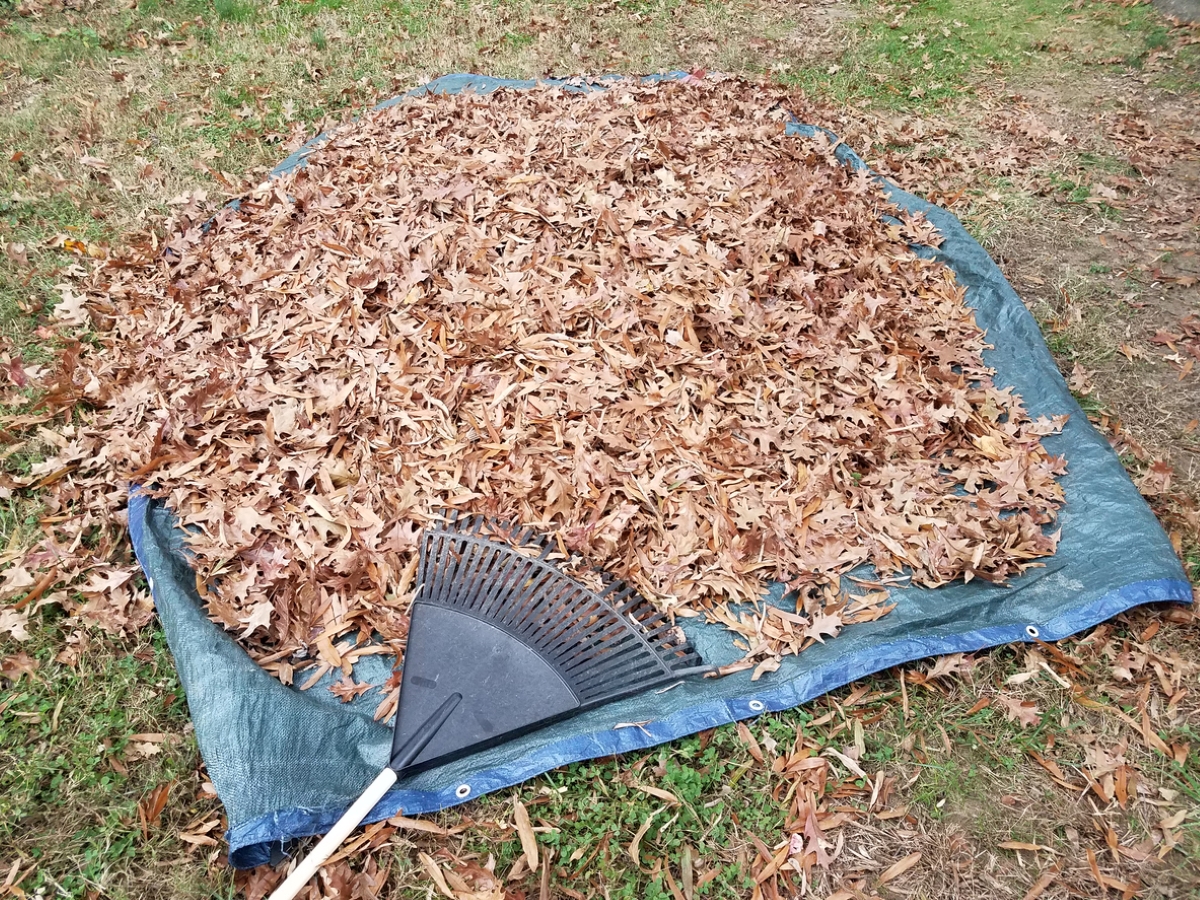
(287, 763)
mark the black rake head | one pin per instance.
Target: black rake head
(498, 620)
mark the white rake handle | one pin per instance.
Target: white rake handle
(308, 866)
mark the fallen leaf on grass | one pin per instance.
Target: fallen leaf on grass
(950, 665)
(154, 737)
(198, 832)
(198, 840)
(847, 762)
(1054, 771)
(70, 310)
(1080, 381)
(686, 873)
(894, 871)
(1105, 882)
(978, 706)
(12, 881)
(1166, 338)
(658, 792)
(811, 840)
(152, 806)
(1022, 845)
(771, 862)
(636, 843)
(17, 666)
(1044, 880)
(435, 873)
(14, 368)
(748, 739)
(1130, 352)
(419, 825)
(17, 580)
(529, 844)
(1023, 712)
(1174, 820)
(14, 622)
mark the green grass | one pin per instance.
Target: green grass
(317, 6)
(72, 775)
(588, 805)
(237, 10)
(18, 517)
(935, 52)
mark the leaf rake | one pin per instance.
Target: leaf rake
(503, 642)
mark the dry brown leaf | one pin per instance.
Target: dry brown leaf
(950, 665)
(418, 825)
(525, 830)
(658, 792)
(435, 873)
(1023, 712)
(348, 689)
(768, 665)
(1023, 845)
(152, 806)
(17, 666)
(14, 622)
(894, 871)
(636, 843)
(1044, 880)
(749, 740)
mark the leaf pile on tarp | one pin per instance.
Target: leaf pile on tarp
(700, 353)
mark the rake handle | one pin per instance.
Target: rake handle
(350, 820)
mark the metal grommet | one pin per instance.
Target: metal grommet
(463, 791)
(757, 705)
(1032, 631)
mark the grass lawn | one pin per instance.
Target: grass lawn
(1064, 134)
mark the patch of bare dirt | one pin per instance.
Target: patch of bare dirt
(1122, 280)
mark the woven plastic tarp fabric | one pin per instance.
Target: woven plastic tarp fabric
(286, 763)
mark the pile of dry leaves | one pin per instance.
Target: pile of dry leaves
(698, 352)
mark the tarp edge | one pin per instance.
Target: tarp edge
(250, 844)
